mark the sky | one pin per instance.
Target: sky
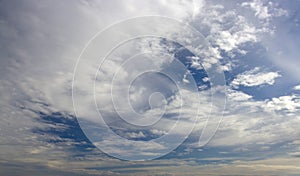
(160, 87)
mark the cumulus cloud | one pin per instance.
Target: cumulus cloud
(286, 104)
(265, 9)
(258, 122)
(228, 31)
(238, 95)
(297, 87)
(255, 77)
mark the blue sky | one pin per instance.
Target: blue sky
(158, 94)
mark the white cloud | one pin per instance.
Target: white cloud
(249, 124)
(265, 9)
(227, 37)
(134, 135)
(261, 11)
(255, 77)
(228, 41)
(227, 31)
(238, 95)
(297, 87)
(285, 104)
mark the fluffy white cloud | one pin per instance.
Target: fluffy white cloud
(238, 95)
(286, 104)
(255, 77)
(258, 123)
(265, 9)
(297, 87)
(227, 37)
